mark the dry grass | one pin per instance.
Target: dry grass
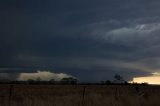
(74, 95)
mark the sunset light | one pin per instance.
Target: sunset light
(153, 79)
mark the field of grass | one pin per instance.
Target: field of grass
(79, 95)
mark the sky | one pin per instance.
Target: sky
(91, 40)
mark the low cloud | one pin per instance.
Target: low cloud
(43, 75)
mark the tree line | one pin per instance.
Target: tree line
(118, 80)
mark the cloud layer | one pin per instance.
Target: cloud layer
(92, 40)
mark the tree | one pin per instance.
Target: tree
(30, 81)
(38, 79)
(108, 82)
(69, 80)
(118, 77)
(52, 81)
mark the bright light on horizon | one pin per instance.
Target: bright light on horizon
(153, 79)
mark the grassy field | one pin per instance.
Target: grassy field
(78, 95)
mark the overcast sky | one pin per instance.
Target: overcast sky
(90, 39)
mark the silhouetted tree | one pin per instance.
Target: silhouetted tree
(69, 80)
(30, 81)
(38, 80)
(144, 83)
(118, 77)
(52, 81)
(108, 82)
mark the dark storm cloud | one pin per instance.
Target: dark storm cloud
(93, 38)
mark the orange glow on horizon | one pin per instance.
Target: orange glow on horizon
(148, 79)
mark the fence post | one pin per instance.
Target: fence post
(83, 95)
(117, 96)
(10, 94)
